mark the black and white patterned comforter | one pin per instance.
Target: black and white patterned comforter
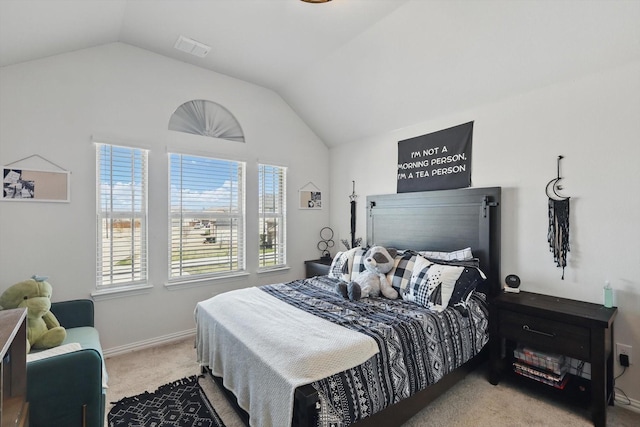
(417, 346)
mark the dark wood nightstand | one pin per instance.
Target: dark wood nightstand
(576, 329)
(317, 267)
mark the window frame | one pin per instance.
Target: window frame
(279, 213)
(134, 215)
(183, 214)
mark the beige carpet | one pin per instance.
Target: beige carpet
(472, 402)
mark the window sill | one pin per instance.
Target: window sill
(124, 291)
(273, 270)
(205, 281)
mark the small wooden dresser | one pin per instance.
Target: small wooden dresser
(14, 409)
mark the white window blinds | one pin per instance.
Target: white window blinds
(121, 193)
(206, 216)
(272, 182)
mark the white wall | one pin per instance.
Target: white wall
(52, 107)
(593, 122)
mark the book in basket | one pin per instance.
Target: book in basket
(555, 363)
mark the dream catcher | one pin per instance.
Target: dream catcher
(558, 234)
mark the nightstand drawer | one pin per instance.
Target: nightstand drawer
(545, 334)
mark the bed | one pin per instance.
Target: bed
(299, 354)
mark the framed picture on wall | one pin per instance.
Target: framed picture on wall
(19, 184)
(310, 197)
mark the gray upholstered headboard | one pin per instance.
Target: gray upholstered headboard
(443, 220)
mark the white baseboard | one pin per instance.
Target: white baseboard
(627, 403)
(153, 342)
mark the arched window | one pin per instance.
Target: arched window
(207, 118)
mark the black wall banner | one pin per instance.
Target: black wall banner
(436, 161)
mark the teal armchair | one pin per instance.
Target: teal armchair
(68, 389)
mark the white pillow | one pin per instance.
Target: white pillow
(459, 255)
(54, 351)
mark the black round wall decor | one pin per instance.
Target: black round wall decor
(326, 242)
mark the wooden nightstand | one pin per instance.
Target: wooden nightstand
(317, 267)
(576, 329)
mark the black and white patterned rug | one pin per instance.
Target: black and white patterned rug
(181, 403)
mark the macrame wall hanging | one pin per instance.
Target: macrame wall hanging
(558, 234)
(355, 241)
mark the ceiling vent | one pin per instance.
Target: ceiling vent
(191, 46)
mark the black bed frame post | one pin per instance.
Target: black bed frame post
(490, 231)
(305, 407)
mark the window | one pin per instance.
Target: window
(206, 217)
(272, 183)
(121, 175)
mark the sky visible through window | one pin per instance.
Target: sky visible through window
(201, 184)
(121, 179)
(270, 182)
(206, 183)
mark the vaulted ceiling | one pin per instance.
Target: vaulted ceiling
(350, 68)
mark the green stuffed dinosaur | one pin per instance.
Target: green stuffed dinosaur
(43, 329)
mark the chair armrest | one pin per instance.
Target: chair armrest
(59, 386)
(75, 313)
